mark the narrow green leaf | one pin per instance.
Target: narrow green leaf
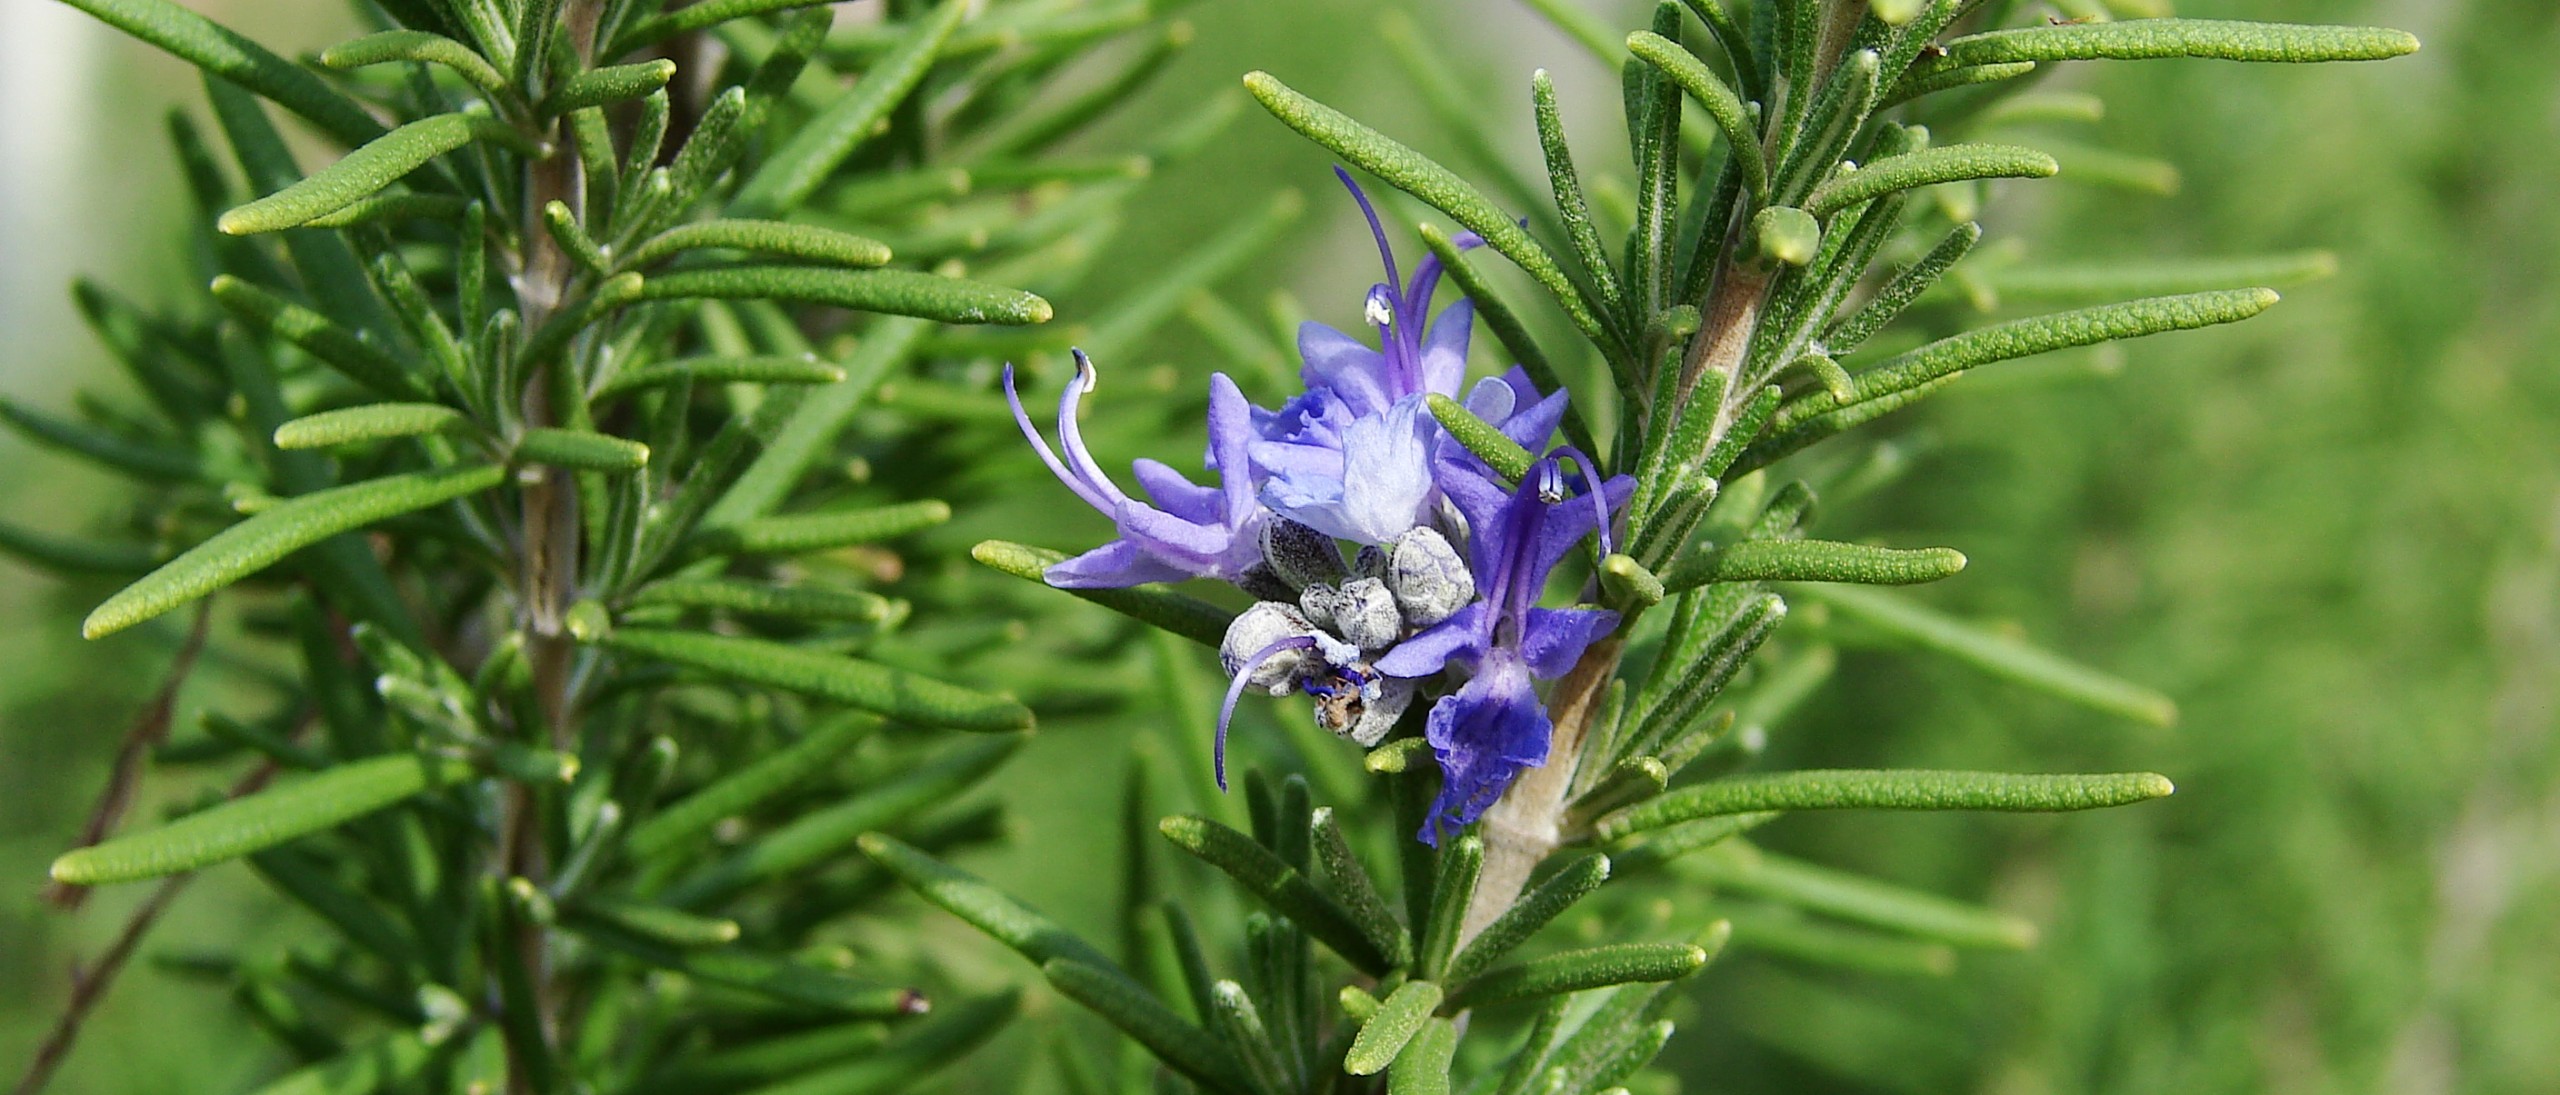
(1813, 561)
(1452, 891)
(1119, 1001)
(419, 46)
(770, 1059)
(1854, 789)
(722, 370)
(220, 52)
(148, 459)
(1934, 80)
(812, 429)
(319, 336)
(1238, 1023)
(1654, 847)
(895, 292)
(705, 15)
(799, 241)
(1743, 869)
(240, 826)
(1627, 582)
(2022, 338)
(373, 422)
(1383, 1035)
(805, 533)
(1786, 235)
(1158, 606)
(920, 1050)
(580, 449)
(781, 979)
(1723, 105)
(1579, 970)
(814, 151)
(1504, 455)
(1927, 167)
(1279, 885)
(800, 601)
(375, 165)
(656, 923)
(745, 788)
(990, 910)
(254, 544)
(610, 84)
(1905, 286)
(2145, 39)
(1566, 187)
(1437, 186)
(822, 836)
(893, 692)
(1347, 881)
(1996, 653)
(1774, 930)
(1423, 1067)
(2116, 279)
(75, 556)
(562, 224)
(1532, 912)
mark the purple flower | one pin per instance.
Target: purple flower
(1494, 726)
(1352, 455)
(1190, 531)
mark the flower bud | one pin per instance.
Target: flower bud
(1254, 631)
(1299, 555)
(1429, 581)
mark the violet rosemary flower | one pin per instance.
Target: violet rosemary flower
(1190, 531)
(1494, 726)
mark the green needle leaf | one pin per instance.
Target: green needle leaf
(1504, 455)
(1158, 606)
(895, 292)
(2117, 279)
(319, 336)
(1437, 186)
(1813, 561)
(1995, 653)
(1928, 167)
(804, 533)
(799, 241)
(377, 164)
(1578, 970)
(821, 836)
(1856, 789)
(149, 459)
(1278, 884)
(657, 923)
(1534, 911)
(818, 147)
(745, 788)
(1743, 869)
(580, 449)
(260, 821)
(610, 84)
(1399, 1017)
(896, 693)
(801, 601)
(254, 544)
(779, 978)
(1004, 918)
(2146, 39)
(374, 422)
(418, 46)
(1722, 103)
(723, 370)
(1119, 1001)
(220, 52)
(1423, 1067)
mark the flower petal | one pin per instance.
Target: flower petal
(1555, 637)
(1114, 565)
(1484, 735)
(1461, 636)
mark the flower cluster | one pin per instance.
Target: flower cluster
(1449, 561)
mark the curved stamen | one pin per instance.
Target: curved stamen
(1377, 228)
(1072, 480)
(1071, 433)
(1592, 484)
(1235, 691)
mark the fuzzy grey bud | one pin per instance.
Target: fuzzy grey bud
(1366, 615)
(1254, 631)
(1430, 582)
(1371, 562)
(1299, 555)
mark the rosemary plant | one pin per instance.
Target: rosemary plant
(533, 433)
(1828, 181)
(517, 434)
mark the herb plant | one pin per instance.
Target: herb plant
(522, 421)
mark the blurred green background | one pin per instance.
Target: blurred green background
(2332, 533)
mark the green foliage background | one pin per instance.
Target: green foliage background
(2333, 534)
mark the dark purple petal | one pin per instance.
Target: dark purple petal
(1484, 735)
(1574, 520)
(1555, 637)
(1459, 636)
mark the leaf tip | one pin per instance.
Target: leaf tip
(2154, 785)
